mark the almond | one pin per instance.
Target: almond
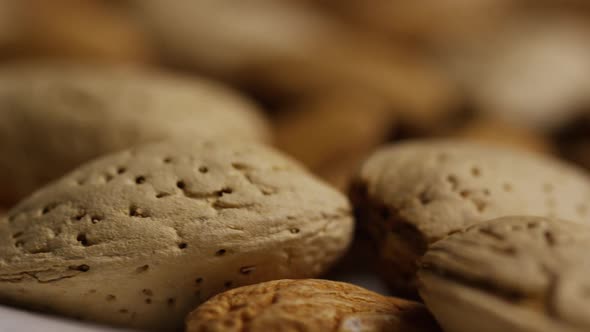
(412, 194)
(140, 237)
(510, 274)
(308, 305)
(57, 116)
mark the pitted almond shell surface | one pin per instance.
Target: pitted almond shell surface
(55, 116)
(411, 194)
(515, 273)
(140, 237)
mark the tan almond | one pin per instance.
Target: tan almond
(521, 274)
(141, 237)
(550, 87)
(55, 116)
(411, 194)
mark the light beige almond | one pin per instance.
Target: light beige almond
(55, 116)
(141, 237)
(308, 305)
(550, 87)
(521, 274)
(411, 194)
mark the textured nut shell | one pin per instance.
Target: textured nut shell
(411, 194)
(462, 309)
(533, 266)
(140, 237)
(308, 305)
(56, 116)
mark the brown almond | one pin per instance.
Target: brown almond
(308, 305)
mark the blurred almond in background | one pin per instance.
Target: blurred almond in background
(498, 132)
(73, 29)
(284, 50)
(421, 22)
(8, 26)
(532, 72)
(57, 115)
(508, 72)
(332, 132)
(513, 72)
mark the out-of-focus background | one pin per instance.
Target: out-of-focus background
(340, 77)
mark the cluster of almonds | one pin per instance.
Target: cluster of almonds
(141, 198)
(199, 206)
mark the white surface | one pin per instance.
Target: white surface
(14, 320)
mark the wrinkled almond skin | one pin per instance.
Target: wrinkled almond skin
(412, 194)
(308, 305)
(139, 238)
(55, 116)
(516, 273)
